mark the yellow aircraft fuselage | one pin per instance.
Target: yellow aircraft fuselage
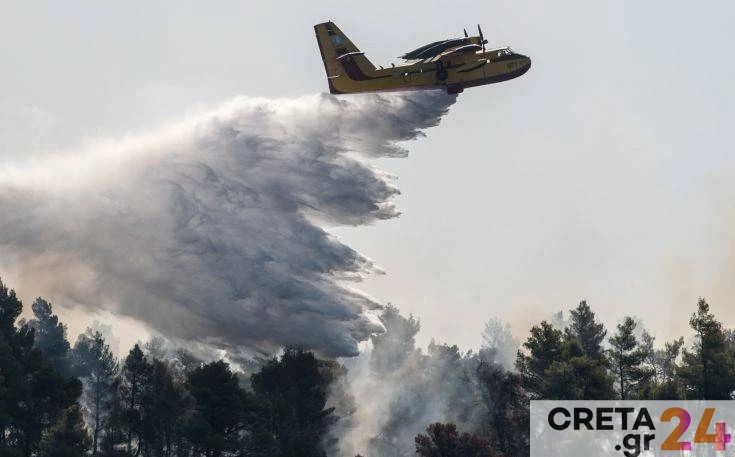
(450, 64)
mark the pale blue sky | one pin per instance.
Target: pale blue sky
(604, 173)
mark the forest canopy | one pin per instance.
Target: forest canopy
(64, 399)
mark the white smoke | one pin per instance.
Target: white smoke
(399, 390)
(213, 230)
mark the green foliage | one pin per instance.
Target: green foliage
(585, 329)
(134, 375)
(33, 394)
(147, 407)
(163, 408)
(50, 335)
(168, 403)
(220, 409)
(506, 422)
(294, 390)
(568, 365)
(708, 369)
(544, 347)
(68, 438)
(576, 376)
(627, 357)
(10, 309)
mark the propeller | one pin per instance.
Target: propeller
(465, 33)
(483, 41)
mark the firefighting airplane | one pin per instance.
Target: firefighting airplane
(452, 64)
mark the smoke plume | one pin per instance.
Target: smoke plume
(397, 389)
(213, 230)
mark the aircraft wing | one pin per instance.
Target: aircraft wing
(462, 49)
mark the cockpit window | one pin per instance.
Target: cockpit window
(505, 52)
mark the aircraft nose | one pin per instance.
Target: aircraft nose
(525, 63)
(525, 59)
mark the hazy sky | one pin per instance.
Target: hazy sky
(605, 173)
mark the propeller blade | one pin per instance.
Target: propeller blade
(482, 37)
(465, 33)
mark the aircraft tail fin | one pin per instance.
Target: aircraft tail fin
(340, 56)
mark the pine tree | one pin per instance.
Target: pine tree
(295, 390)
(587, 331)
(668, 385)
(10, 309)
(663, 384)
(575, 376)
(220, 405)
(132, 381)
(707, 370)
(68, 438)
(506, 420)
(50, 335)
(567, 365)
(627, 357)
(163, 407)
(396, 344)
(98, 368)
(33, 394)
(543, 348)
(11, 370)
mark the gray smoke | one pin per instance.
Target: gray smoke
(213, 230)
(399, 389)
